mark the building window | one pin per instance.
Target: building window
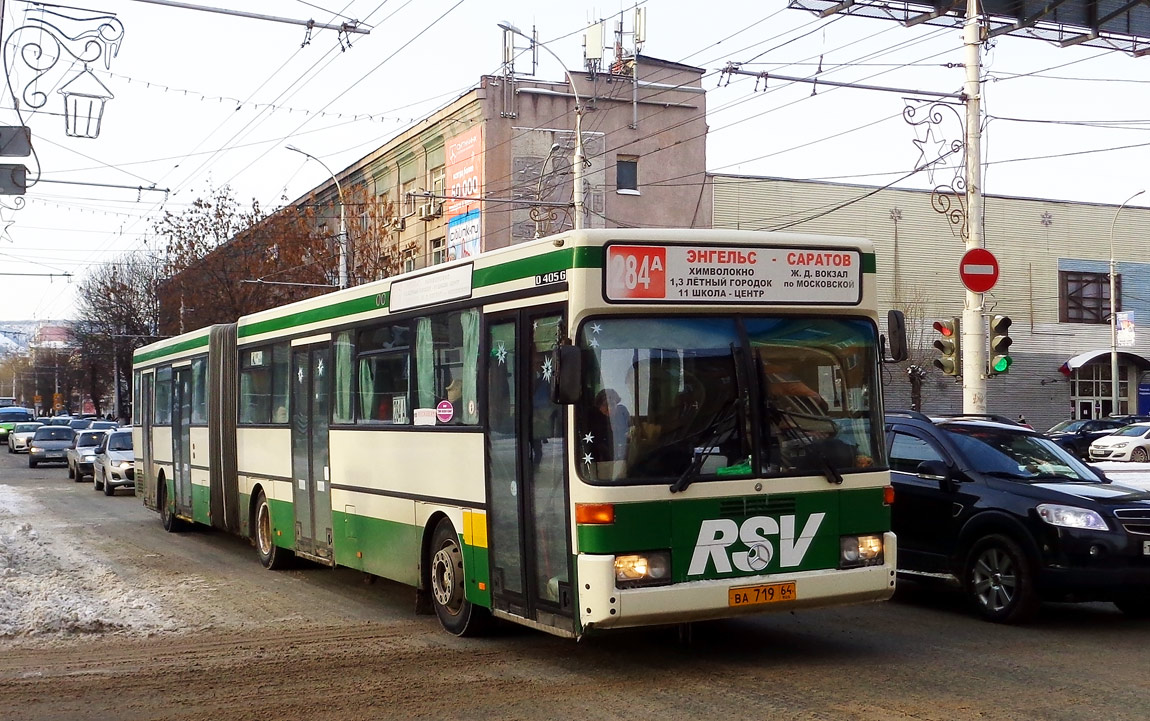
(438, 251)
(1085, 297)
(436, 179)
(408, 260)
(627, 174)
(407, 197)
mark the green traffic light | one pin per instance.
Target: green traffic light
(1001, 363)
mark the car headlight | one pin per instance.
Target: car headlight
(33, 449)
(643, 569)
(88, 459)
(855, 551)
(124, 464)
(1120, 445)
(1071, 517)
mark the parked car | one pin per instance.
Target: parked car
(115, 462)
(9, 417)
(49, 444)
(1076, 436)
(1013, 518)
(82, 453)
(20, 435)
(1128, 443)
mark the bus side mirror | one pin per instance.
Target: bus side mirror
(566, 374)
(896, 335)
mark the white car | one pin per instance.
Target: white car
(115, 462)
(1129, 443)
(20, 435)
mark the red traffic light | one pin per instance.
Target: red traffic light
(945, 328)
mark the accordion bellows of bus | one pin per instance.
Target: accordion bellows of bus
(598, 429)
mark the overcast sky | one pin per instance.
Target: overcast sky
(202, 100)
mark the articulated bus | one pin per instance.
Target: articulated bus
(595, 430)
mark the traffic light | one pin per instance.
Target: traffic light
(1000, 341)
(949, 346)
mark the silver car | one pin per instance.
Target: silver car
(20, 435)
(115, 462)
(49, 444)
(82, 453)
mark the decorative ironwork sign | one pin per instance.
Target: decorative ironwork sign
(932, 121)
(48, 45)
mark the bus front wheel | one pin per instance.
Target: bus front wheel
(167, 513)
(271, 556)
(458, 615)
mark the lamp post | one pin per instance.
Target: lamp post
(577, 193)
(1114, 313)
(342, 244)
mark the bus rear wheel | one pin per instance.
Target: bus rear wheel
(271, 556)
(445, 566)
(167, 513)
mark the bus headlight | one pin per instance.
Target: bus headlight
(855, 551)
(643, 569)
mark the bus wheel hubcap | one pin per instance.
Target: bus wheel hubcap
(444, 586)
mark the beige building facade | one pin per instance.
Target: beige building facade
(1054, 285)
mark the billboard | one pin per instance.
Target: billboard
(464, 189)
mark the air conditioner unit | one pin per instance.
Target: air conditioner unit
(427, 211)
(399, 223)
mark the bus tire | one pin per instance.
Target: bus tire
(167, 513)
(446, 580)
(271, 556)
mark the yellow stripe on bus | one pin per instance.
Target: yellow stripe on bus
(475, 529)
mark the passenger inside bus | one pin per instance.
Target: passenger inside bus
(610, 426)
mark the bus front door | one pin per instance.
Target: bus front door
(182, 440)
(310, 417)
(528, 534)
(146, 481)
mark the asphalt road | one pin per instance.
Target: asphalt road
(312, 643)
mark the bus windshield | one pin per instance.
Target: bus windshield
(713, 398)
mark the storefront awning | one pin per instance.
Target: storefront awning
(1083, 358)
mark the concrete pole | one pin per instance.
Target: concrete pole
(973, 328)
(1114, 312)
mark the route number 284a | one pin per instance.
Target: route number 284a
(636, 272)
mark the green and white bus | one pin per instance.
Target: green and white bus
(599, 429)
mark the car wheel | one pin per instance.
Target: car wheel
(271, 556)
(446, 581)
(1134, 607)
(109, 489)
(31, 463)
(96, 485)
(1138, 455)
(999, 581)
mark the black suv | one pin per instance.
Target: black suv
(1013, 517)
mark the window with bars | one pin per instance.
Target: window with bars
(1085, 297)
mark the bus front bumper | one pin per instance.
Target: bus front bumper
(603, 605)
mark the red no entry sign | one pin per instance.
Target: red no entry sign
(978, 270)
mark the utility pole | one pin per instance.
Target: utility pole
(973, 329)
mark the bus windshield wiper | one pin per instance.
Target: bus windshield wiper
(724, 422)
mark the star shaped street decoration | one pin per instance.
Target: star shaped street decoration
(932, 150)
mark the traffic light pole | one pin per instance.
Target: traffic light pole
(973, 329)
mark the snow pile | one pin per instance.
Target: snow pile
(51, 588)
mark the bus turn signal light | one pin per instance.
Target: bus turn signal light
(594, 513)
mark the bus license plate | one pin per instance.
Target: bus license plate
(765, 593)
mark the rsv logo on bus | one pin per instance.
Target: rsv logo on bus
(716, 536)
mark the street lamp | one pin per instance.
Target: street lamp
(577, 194)
(342, 244)
(1114, 314)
